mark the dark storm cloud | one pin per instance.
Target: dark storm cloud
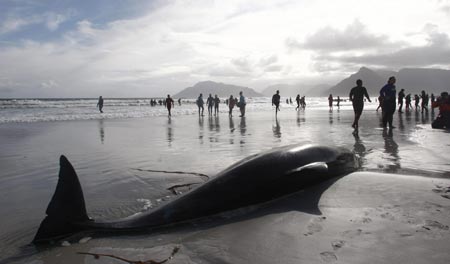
(436, 52)
(354, 37)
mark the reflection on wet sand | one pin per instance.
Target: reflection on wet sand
(300, 119)
(102, 130)
(214, 128)
(408, 117)
(359, 147)
(330, 116)
(232, 128)
(169, 132)
(401, 126)
(276, 129)
(243, 129)
(391, 148)
(200, 131)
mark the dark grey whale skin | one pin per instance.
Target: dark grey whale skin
(256, 179)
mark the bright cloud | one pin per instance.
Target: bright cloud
(169, 45)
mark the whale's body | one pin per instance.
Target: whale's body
(255, 179)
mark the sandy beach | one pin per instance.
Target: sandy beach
(394, 210)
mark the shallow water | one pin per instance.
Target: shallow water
(111, 156)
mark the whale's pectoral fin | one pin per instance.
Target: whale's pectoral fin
(315, 167)
(66, 208)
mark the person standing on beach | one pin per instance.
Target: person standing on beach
(276, 101)
(231, 103)
(216, 104)
(416, 101)
(210, 104)
(179, 101)
(401, 95)
(169, 104)
(388, 93)
(330, 101)
(100, 104)
(338, 101)
(357, 97)
(200, 104)
(242, 104)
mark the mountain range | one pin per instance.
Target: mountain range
(221, 89)
(413, 80)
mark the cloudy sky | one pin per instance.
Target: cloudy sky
(132, 48)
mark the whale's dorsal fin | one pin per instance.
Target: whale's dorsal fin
(66, 207)
(315, 167)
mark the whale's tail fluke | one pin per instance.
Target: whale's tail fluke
(67, 207)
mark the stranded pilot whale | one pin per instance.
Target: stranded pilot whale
(256, 179)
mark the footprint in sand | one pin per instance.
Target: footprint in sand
(328, 257)
(315, 225)
(361, 220)
(354, 233)
(443, 191)
(337, 244)
(430, 224)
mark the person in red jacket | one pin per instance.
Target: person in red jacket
(443, 119)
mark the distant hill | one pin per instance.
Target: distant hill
(412, 80)
(431, 80)
(371, 80)
(221, 89)
(291, 90)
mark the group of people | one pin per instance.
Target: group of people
(215, 101)
(388, 104)
(422, 99)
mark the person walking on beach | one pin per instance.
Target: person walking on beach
(100, 104)
(179, 101)
(242, 104)
(425, 99)
(231, 103)
(200, 104)
(357, 97)
(388, 93)
(416, 101)
(380, 102)
(216, 104)
(210, 104)
(297, 99)
(169, 104)
(338, 101)
(276, 101)
(330, 101)
(408, 105)
(401, 95)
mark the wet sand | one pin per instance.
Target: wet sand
(407, 218)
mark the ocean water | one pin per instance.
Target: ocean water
(114, 153)
(36, 110)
